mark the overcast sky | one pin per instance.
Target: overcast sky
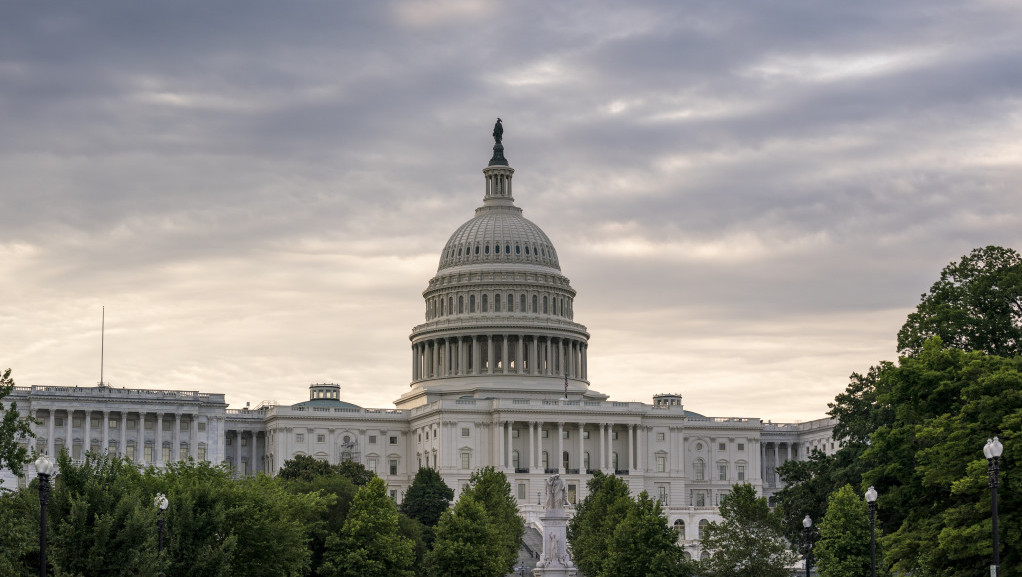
(749, 197)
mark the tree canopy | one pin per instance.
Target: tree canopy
(643, 545)
(370, 543)
(427, 498)
(491, 489)
(468, 543)
(844, 546)
(748, 541)
(13, 455)
(975, 305)
(591, 529)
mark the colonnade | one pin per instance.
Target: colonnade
(768, 470)
(499, 354)
(601, 446)
(245, 449)
(158, 448)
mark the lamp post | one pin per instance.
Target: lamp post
(43, 467)
(871, 500)
(161, 503)
(808, 524)
(992, 451)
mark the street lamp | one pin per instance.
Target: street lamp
(871, 500)
(992, 451)
(43, 467)
(161, 503)
(808, 524)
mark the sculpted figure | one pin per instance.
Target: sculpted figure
(498, 131)
(555, 495)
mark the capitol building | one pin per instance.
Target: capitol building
(498, 378)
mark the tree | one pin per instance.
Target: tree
(370, 543)
(976, 305)
(748, 541)
(467, 544)
(426, 500)
(643, 545)
(19, 532)
(491, 489)
(844, 546)
(13, 455)
(355, 472)
(337, 493)
(591, 529)
(305, 468)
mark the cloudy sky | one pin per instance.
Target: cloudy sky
(749, 197)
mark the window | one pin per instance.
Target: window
(166, 454)
(393, 440)
(564, 459)
(572, 493)
(132, 424)
(722, 472)
(461, 303)
(77, 422)
(702, 528)
(545, 308)
(614, 461)
(721, 446)
(372, 439)
(521, 491)
(244, 440)
(515, 433)
(131, 453)
(58, 421)
(741, 446)
(515, 459)
(202, 452)
(149, 424)
(585, 460)
(95, 422)
(393, 495)
(466, 460)
(521, 302)
(229, 441)
(371, 464)
(496, 303)
(148, 454)
(472, 303)
(114, 424)
(614, 435)
(184, 425)
(565, 434)
(585, 434)
(661, 464)
(393, 466)
(168, 425)
(741, 472)
(546, 434)
(546, 460)
(485, 306)
(535, 308)
(660, 436)
(465, 432)
(420, 437)
(299, 438)
(661, 491)
(510, 303)
(679, 528)
(699, 469)
(320, 438)
(202, 427)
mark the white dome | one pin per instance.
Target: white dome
(499, 234)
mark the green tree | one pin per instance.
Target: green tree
(643, 545)
(468, 544)
(976, 305)
(305, 468)
(591, 529)
(337, 493)
(19, 532)
(426, 500)
(748, 541)
(13, 455)
(491, 489)
(370, 543)
(844, 546)
(355, 472)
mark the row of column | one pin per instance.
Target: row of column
(769, 471)
(499, 354)
(255, 465)
(138, 436)
(635, 448)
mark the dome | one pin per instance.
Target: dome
(499, 234)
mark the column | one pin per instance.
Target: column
(106, 433)
(489, 354)
(520, 355)
(581, 449)
(500, 446)
(140, 439)
(585, 361)
(462, 356)
(641, 458)
(123, 444)
(434, 346)
(503, 356)
(175, 451)
(415, 358)
(603, 447)
(762, 461)
(87, 441)
(549, 364)
(631, 454)
(51, 446)
(532, 446)
(476, 357)
(560, 447)
(158, 447)
(252, 459)
(773, 478)
(193, 437)
(511, 446)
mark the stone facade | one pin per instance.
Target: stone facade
(499, 378)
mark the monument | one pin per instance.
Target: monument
(555, 561)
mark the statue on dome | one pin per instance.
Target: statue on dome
(498, 131)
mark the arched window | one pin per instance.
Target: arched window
(679, 529)
(486, 249)
(699, 469)
(461, 304)
(471, 303)
(441, 307)
(546, 460)
(535, 308)
(477, 249)
(703, 523)
(485, 304)
(507, 249)
(496, 303)
(545, 309)
(518, 249)
(526, 250)
(521, 303)
(450, 305)
(510, 303)
(514, 458)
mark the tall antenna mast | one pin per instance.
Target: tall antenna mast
(102, 342)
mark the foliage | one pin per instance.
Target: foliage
(591, 529)
(976, 305)
(355, 472)
(13, 427)
(468, 543)
(19, 532)
(491, 489)
(748, 541)
(337, 493)
(844, 546)
(305, 468)
(370, 544)
(933, 413)
(643, 545)
(427, 498)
